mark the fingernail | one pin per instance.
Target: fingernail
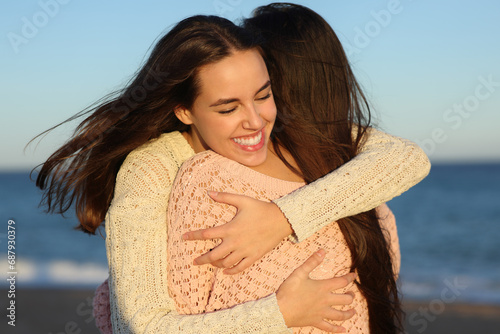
(212, 193)
(320, 253)
(185, 236)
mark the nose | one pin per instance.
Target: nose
(252, 120)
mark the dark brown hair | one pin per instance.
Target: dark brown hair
(319, 105)
(82, 172)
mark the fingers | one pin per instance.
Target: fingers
(328, 327)
(244, 264)
(233, 263)
(342, 298)
(312, 262)
(216, 254)
(228, 198)
(228, 261)
(338, 299)
(337, 315)
(341, 282)
(216, 232)
(221, 257)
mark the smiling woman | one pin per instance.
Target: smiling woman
(234, 113)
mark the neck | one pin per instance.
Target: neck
(196, 145)
(275, 167)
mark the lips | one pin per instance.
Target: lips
(252, 143)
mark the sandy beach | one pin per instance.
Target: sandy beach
(57, 311)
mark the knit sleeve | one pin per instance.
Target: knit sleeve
(386, 167)
(136, 237)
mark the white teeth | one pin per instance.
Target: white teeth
(249, 141)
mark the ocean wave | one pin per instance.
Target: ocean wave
(460, 288)
(54, 273)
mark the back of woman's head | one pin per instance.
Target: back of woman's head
(304, 54)
(320, 106)
(312, 79)
(82, 172)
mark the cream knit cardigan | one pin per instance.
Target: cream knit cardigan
(136, 232)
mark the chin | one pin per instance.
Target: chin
(253, 162)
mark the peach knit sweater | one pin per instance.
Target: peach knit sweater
(200, 289)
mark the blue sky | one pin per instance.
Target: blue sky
(430, 68)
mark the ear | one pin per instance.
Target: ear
(184, 115)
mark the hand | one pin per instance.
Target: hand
(256, 228)
(307, 302)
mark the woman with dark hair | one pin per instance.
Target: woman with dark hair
(314, 86)
(120, 164)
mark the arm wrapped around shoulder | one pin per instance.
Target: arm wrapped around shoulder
(385, 167)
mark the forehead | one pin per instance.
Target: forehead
(240, 74)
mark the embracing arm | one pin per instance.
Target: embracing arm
(137, 256)
(385, 167)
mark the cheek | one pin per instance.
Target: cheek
(214, 129)
(270, 112)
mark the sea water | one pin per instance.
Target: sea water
(449, 230)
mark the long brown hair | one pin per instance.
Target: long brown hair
(319, 105)
(82, 172)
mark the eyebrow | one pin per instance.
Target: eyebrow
(227, 101)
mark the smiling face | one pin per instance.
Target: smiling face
(234, 113)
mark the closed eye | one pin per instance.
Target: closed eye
(223, 112)
(264, 97)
